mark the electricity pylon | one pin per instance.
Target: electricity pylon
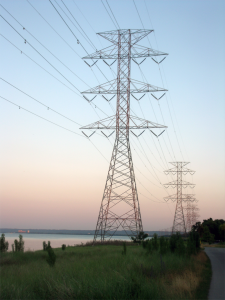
(179, 197)
(192, 215)
(120, 206)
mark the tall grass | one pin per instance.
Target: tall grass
(99, 272)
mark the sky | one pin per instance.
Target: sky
(51, 175)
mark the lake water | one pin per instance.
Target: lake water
(35, 241)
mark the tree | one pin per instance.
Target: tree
(214, 227)
(19, 245)
(222, 231)
(198, 228)
(140, 237)
(51, 257)
(207, 236)
(3, 244)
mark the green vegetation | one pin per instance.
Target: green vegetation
(128, 271)
(210, 230)
(3, 244)
(18, 245)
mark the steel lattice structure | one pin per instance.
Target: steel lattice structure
(120, 206)
(179, 170)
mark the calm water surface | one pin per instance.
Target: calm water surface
(35, 241)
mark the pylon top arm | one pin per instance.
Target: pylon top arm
(136, 35)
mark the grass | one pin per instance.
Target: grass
(101, 272)
(217, 245)
(206, 270)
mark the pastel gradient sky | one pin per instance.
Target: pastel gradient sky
(53, 178)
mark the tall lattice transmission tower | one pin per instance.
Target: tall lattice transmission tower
(179, 170)
(120, 205)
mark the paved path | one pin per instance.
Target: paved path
(217, 285)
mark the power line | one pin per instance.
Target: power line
(109, 15)
(91, 104)
(49, 108)
(76, 38)
(26, 41)
(169, 92)
(112, 14)
(45, 47)
(54, 30)
(83, 34)
(20, 107)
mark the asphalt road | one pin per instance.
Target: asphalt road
(217, 285)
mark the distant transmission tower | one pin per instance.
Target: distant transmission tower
(120, 206)
(179, 197)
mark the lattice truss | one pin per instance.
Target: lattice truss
(179, 217)
(120, 207)
(191, 214)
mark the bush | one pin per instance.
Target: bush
(63, 247)
(18, 245)
(140, 237)
(124, 252)
(155, 243)
(193, 243)
(207, 236)
(149, 247)
(44, 246)
(3, 244)
(163, 243)
(51, 256)
(176, 244)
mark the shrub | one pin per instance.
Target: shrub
(163, 245)
(207, 236)
(149, 246)
(44, 246)
(176, 244)
(140, 237)
(193, 243)
(3, 244)
(49, 244)
(51, 256)
(155, 244)
(18, 245)
(124, 252)
(63, 247)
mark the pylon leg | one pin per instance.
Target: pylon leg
(120, 206)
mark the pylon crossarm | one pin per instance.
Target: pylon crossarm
(183, 170)
(111, 52)
(183, 183)
(110, 87)
(134, 123)
(184, 197)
